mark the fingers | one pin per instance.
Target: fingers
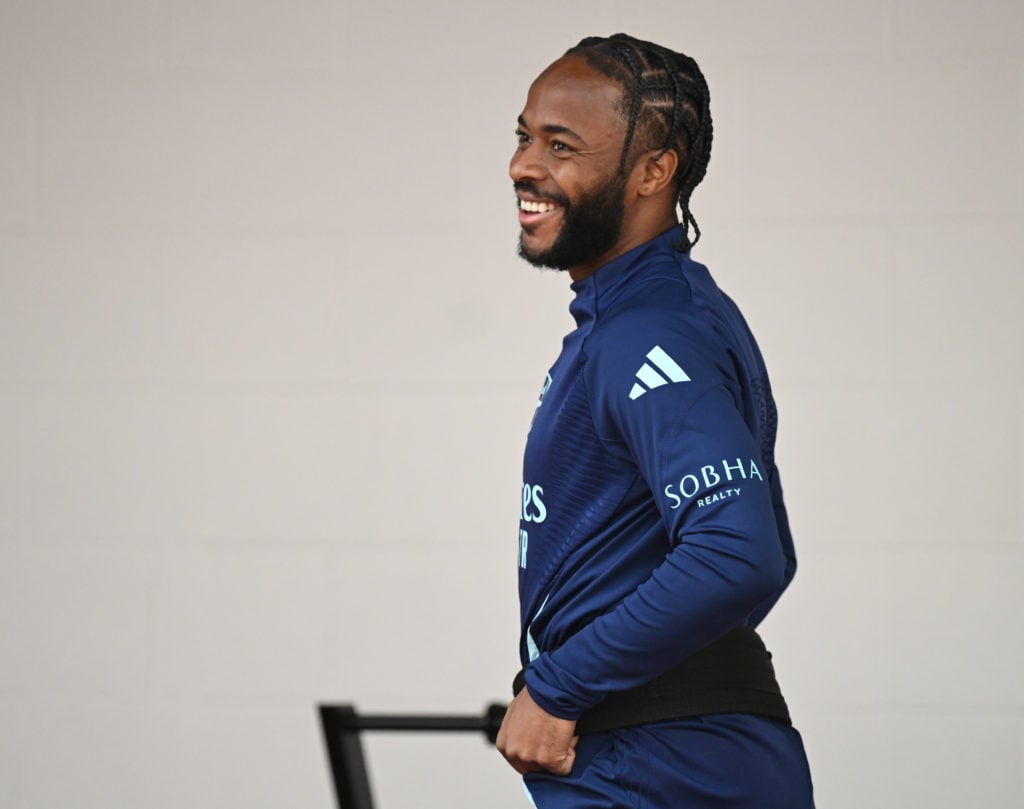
(532, 740)
(528, 756)
(564, 767)
(524, 762)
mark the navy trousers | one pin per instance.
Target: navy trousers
(721, 761)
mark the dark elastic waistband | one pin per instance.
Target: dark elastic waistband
(734, 674)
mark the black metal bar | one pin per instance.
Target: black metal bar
(424, 723)
(342, 726)
(345, 753)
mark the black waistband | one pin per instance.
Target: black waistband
(734, 674)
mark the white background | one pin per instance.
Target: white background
(267, 360)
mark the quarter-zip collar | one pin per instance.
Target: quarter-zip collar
(591, 290)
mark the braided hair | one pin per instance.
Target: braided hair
(667, 105)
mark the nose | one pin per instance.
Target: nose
(524, 164)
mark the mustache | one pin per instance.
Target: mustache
(526, 187)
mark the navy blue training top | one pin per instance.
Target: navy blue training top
(652, 516)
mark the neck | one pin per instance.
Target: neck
(635, 238)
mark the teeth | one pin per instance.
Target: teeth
(536, 207)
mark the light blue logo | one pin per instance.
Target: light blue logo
(540, 399)
(544, 390)
(708, 478)
(660, 369)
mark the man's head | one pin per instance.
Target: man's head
(614, 136)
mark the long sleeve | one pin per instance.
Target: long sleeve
(680, 424)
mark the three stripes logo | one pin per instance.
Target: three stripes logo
(660, 369)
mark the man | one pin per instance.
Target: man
(653, 535)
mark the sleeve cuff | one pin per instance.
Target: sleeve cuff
(555, 691)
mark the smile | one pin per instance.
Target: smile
(536, 207)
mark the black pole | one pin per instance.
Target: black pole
(341, 728)
(345, 754)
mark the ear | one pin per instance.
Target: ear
(656, 171)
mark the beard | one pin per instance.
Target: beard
(590, 226)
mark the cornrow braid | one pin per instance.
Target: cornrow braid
(666, 104)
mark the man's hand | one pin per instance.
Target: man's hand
(531, 739)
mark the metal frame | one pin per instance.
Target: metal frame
(342, 724)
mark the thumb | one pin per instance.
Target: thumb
(564, 766)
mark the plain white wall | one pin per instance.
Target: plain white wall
(267, 359)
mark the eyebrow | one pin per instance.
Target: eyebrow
(556, 129)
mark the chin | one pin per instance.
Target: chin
(532, 253)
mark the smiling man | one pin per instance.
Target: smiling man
(653, 535)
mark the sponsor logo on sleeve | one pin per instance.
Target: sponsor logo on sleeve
(710, 477)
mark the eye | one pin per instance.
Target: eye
(522, 137)
(560, 146)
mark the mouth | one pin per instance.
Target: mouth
(536, 211)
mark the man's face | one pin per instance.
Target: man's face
(590, 226)
(566, 169)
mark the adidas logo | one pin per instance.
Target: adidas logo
(648, 374)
